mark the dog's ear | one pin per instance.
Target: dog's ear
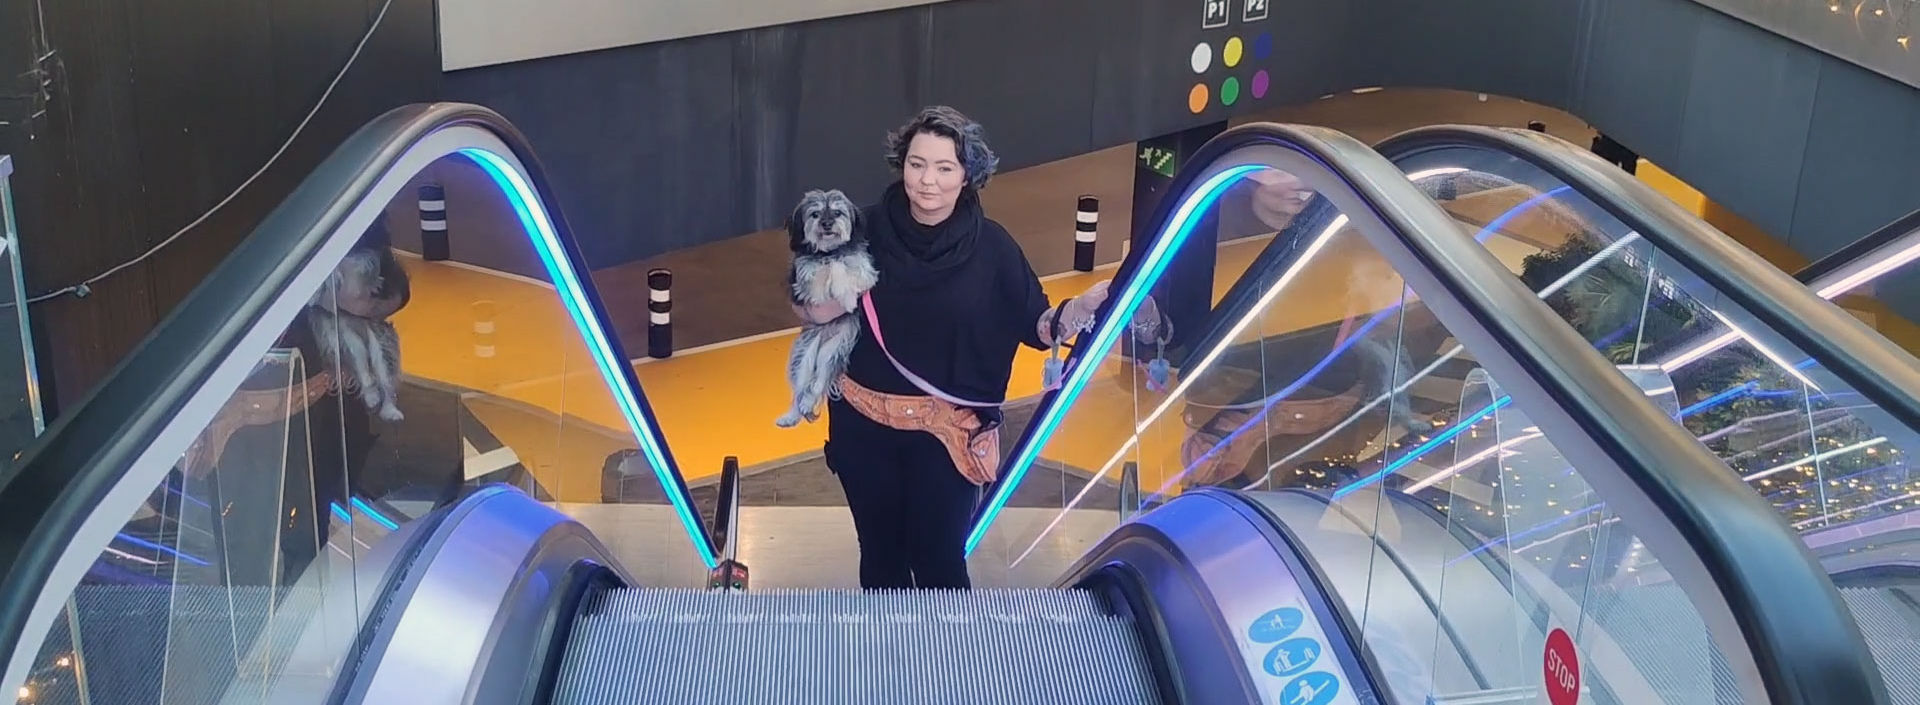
(856, 222)
(797, 223)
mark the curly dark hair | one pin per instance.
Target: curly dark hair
(969, 140)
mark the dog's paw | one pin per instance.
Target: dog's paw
(788, 420)
(812, 416)
(391, 413)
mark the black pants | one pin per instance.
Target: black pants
(911, 508)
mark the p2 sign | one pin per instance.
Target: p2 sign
(1560, 667)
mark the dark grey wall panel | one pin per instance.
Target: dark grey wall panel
(813, 103)
(639, 141)
(1641, 40)
(1524, 50)
(1023, 77)
(1748, 115)
(1867, 128)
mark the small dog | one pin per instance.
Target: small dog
(349, 318)
(830, 263)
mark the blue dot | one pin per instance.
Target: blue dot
(1262, 45)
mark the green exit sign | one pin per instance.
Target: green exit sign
(1159, 160)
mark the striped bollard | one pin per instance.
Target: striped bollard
(1086, 230)
(433, 224)
(660, 313)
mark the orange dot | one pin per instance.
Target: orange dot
(1197, 98)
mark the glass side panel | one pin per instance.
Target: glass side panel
(1832, 463)
(502, 359)
(1455, 536)
(440, 356)
(21, 418)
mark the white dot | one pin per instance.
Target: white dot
(1202, 57)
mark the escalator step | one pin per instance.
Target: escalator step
(1058, 647)
(1891, 633)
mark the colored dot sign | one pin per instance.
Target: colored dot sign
(1561, 668)
(1231, 54)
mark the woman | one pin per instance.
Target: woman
(955, 300)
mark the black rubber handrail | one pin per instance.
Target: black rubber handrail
(1900, 229)
(1805, 645)
(47, 496)
(1874, 366)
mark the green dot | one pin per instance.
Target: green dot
(1229, 90)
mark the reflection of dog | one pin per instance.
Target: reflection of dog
(830, 263)
(349, 317)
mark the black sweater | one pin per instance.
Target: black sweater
(954, 300)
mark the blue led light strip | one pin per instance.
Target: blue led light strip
(1106, 334)
(567, 283)
(375, 515)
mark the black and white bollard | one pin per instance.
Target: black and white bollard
(660, 313)
(1086, 231)
(433, 224)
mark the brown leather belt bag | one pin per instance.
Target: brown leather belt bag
(975, 453)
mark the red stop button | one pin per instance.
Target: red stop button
(1562, 669)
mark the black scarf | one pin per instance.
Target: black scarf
(908, 250)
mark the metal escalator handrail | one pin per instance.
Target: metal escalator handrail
(1739, 564)
(1900, 230)
(51, 502)
(1871, 364)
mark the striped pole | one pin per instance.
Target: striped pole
(660, 313)
(482, 335)
(1086, 230)
(433, 224)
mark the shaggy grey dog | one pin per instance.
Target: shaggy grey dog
(349, 319)
(830, 263)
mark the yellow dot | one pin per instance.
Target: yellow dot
(1231, 54)
(1197, 98)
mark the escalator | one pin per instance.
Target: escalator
(1235, 574)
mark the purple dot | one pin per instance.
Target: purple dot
(1262, 45)
(1260, 83)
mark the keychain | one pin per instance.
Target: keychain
(1055, 368)
(1157, 329)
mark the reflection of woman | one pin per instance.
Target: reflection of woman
(955, 301)
(320, 438)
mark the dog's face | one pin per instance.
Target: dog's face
(823, 222)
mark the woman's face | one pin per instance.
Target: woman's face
(933, 177)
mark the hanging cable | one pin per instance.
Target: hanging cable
(84, 288)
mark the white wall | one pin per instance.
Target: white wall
(484, 32)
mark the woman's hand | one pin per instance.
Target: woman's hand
(1076, 316)
(819, 313)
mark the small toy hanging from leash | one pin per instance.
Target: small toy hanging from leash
(1055, 368)
(1159, 331)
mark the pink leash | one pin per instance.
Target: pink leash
(873, 322)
